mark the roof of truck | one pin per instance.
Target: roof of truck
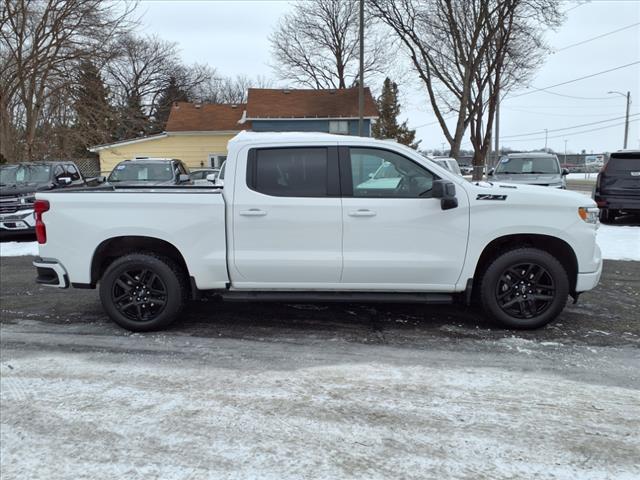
(283, 137)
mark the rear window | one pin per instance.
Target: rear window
(289, 172)
(624, 162)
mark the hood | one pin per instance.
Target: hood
(528, 178)
(24, 188)
(522, 194)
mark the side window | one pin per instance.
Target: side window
(289, 172)
(58, 172)
(381, 173)
(72, 171)
(183, 168)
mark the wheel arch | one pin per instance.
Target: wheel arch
(555, 246)
(116, 247)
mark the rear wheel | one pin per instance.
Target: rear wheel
(143, 292)
(524, 288)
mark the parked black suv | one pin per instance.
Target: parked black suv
(19, 183)
(618, 185)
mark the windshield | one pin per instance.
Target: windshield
(131, 171)
(525, 165)
(17, 174)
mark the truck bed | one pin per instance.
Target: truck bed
(192, 219)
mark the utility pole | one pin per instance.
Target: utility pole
(626, 122)
(361, 82)
(546, 132)
(565, 151)
(497, 128)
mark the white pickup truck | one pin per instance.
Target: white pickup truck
(298, 219)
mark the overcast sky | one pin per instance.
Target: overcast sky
(232, 36)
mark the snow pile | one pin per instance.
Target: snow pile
(18, 249)
(619, 242)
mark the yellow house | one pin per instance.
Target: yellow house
(197, 134)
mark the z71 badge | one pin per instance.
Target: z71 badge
(488, 196)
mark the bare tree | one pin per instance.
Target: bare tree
(317, 45)
(462, 49)
(41, 43)
(230, 90)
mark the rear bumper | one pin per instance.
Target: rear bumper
(618, 202)
(51, 273)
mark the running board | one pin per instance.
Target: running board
(317, 297)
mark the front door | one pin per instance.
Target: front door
(395, 235)
(287, 219)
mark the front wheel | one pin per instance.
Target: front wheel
(142, 292)
(524, 288)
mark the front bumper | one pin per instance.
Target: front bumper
(22, 221)
(51, 273)
(588, 281)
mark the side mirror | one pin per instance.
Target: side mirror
(446, 192)
(491, 172)
(101, 179)
(565, 172)
(371, 175)
(183, 178)
(64, 180)
(212, 177)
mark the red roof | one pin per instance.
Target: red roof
(284, 103)
(189, 117)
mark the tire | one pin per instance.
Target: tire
(525, 288)
(607, 215)
(143, 292)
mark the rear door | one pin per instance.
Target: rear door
(621, 175)
(287, 225)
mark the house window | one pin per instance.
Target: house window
(216, 160)
(340, 127)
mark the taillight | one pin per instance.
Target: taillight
(39, 207)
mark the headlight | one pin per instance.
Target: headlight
(28, 199)
(589, 214)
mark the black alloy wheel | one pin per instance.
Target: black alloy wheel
(525, 290)
(139, 294)
(143, 291)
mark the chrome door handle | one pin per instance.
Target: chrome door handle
(253, 212)
(362, 212)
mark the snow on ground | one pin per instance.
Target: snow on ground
(18, 249)
(619, 242)
(582, 176)
(70, 415)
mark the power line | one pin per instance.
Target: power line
(596, 37)
(537, 132)
(576, 80)
(550, 114)
(580, 4)
(572, 134)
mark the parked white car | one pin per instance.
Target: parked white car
(294, 222)
(450, 164)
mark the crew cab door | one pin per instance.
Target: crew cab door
(395, 235)
(287, 218)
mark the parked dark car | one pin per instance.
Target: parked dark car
(617, 188)
(19, 183)
(150, 172)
